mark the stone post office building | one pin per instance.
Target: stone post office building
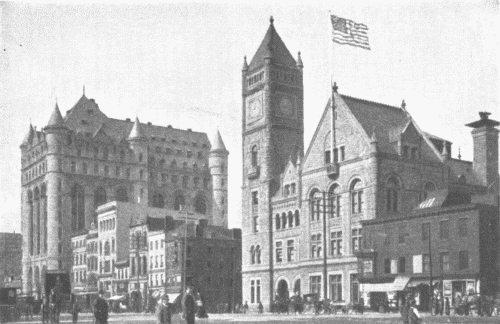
(302, 206)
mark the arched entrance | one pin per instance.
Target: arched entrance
(283, 289)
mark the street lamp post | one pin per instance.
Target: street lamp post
(431, 292)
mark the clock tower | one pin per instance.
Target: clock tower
(273, 128)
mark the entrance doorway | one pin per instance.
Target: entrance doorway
(283, 289)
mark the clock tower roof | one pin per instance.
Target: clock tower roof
(272, 47)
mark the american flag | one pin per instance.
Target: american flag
(348, 32)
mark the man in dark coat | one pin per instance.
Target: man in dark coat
(101, 309)
(188, 306)
(163, 311)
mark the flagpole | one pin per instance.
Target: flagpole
(332, 98)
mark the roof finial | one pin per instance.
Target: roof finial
(245, 64)
(403, 105)
(335, 87)
(459, 154)
(300, 65)
(84, 89)
(271, 20)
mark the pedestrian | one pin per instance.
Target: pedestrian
(75, 309)
(447, 306)
(188, 305)
(163, 311)
(245, 307)
(440, 305)
(260, 307)
(101, 309)
(458, 304)
(405, 309)
(361, 305)
(413, 314)
(45, 310)
(200, 303)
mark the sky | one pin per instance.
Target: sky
(180, 64)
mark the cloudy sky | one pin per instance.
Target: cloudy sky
(180, 64)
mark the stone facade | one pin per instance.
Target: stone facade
(85, 159)
(302, 210)
(10, 256)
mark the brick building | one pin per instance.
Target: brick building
(206, 257)
(86, 159)
(303, 207)
(10, 259)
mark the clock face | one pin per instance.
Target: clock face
(255, 108)
(287, 107)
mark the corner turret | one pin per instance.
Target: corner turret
(217, 161)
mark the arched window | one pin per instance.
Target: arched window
(428, 188)
(113, 244)
(357, 198)
(334, 201)
(283, 220)
(122, 195)
(290, 219)
(200, 205)
(257, 254)
(158, 201)
(178, 202)
(278, 221)
(392, 194)
(77, 208)
(315, 199)
(297, 218)
(107, 249)
(252, 255)
(255, 156)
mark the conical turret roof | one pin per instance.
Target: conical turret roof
(136, 131)
(272, 47)
(217, 143)
(56, 118)
(29, 136)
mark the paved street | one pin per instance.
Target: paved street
(371, 318)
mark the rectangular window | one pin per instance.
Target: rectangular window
(342, 153)
(334, 206)
(252, 291)
(335, 155)
(463, 260)
(327, 157)
(444, 260)
(316, 246)
(402, 265)
(444, 229)
(73, 166)
(118, 171)
(417, 263)
(315, 285)
(336, 243)
(96, 168)
(414, 152)
(106, 170)
(290, 250)
(462, 227)
(387, 265)
(279, 251)
(257, 286)
(356, 239)
(127, 173)
(85, 170)
(387, 237)
(336, 287)
(402, 234)
(150, 262)
(255, 225)
(426, 227)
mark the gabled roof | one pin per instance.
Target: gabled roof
(272, 47)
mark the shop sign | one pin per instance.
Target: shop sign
(368, 266)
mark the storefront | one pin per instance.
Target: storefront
(383, 294)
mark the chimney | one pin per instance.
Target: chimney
(485, 163)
